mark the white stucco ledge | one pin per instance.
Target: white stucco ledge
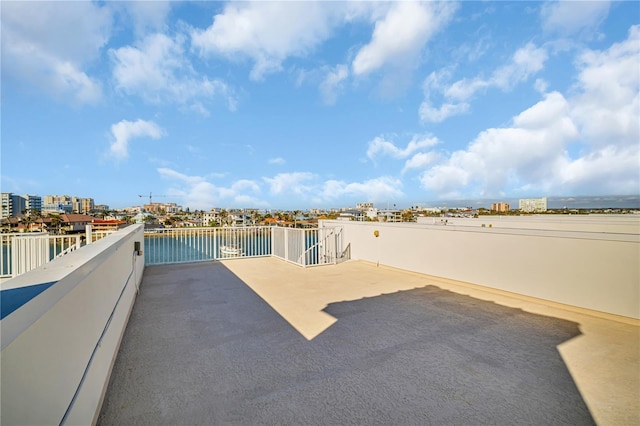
(59, 346)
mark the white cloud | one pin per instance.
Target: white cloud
(608, 101)
(238, 188)
(157, 70)
(609, 170)
(379, 146)
(541, 85)
(420, 160)
(290, 183)
(525, 62)
(532, 150)
(333, 83)
(267, 32)
(291, 188)
(570, 17)
(277, 160)
(583, 144)
(308, 187)
(49, 45)
(146, 16)
(401, 34)
(378, 189)
(433, 114)
(124, 131)
(198, 193)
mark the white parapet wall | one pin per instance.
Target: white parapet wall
(597, 270)
(59, 344)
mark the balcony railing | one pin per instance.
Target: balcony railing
(304, 247)
(22, 252)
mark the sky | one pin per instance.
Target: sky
(298, 105)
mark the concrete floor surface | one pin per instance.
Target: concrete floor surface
(261, 341)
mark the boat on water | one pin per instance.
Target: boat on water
(231, 251)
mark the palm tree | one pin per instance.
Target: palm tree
(56, 223)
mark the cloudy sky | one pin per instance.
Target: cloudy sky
(319, 104)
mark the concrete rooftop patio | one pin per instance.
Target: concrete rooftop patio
(261, 341)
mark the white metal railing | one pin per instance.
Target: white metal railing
(327, 248)
(5, 258)
(28, 252)
(22, 252)
(97, 235)
(309, 247)
(59, 245)
(321, 246)
(304, 247)
(177, 245)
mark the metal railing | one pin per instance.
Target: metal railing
(179, 245)
(28, 252)
(22, 252)
(309, 247)
(304, 247)
(64, 244)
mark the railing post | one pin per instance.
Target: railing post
(215, 244)
(303, 246)
(15, 257)
(88, 234)
(286, 243)
(273, 239)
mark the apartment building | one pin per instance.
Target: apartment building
(15, 205)
(7, 205)
(500, 207)
(67, 204)
(533, 205)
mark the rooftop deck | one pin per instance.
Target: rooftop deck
(261, 341)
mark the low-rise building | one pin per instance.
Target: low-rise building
(211, 218)
(353, 214)
(107, 224)
(76, 222)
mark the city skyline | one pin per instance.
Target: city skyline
(554, 203)
(297, 105)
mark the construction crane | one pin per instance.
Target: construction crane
(150, 197)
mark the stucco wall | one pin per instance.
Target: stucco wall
(593, 270)
(585, 223)
(59, 348)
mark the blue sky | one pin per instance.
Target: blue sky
(298, 105)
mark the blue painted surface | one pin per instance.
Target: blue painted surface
(12, 299)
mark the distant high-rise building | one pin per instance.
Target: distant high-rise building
(533, 205)
(76, 203)
(500, 207)
(86, 205)
(364, 206)
(33, 203)
(17, 205)
(57, 204)
(7, 205)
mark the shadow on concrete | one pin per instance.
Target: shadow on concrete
(202, 348)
